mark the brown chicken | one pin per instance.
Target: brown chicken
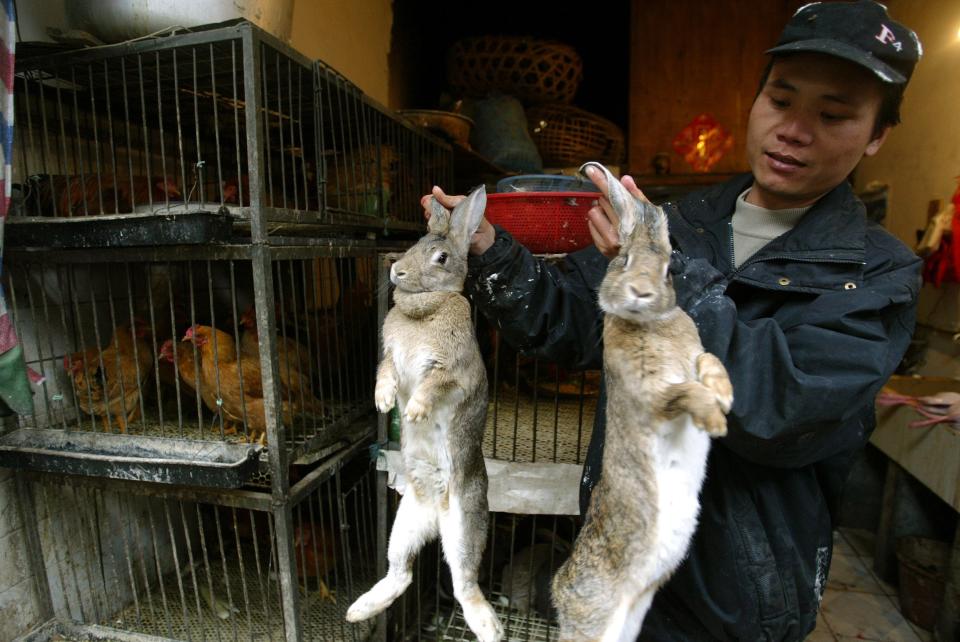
(107, 383)
(221, 370)
(101, 194)
(237, 192)
(294, 365)
(316, 554)
(185, 365)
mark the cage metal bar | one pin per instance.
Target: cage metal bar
(342, 187)
(136, 348)
(94, 120)
(126, 124)
(112, 144)
(256, 161)
(320, 183)
(280, 114)
(216, 129)
(131, 573)
(78, 147)
(63, 286)
(19, 329)
(268, 197)
(303, 148)
(181, 159)
(206, 568)
(146, 135)
(242, 198)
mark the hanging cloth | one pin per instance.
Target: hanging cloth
(15, 390)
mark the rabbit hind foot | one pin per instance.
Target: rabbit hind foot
(480, 616)
(378, 598)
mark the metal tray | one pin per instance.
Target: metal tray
(61, 631)
(120, 230)
(150, 459)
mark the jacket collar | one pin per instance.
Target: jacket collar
(834, 229)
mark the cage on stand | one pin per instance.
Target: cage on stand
(191, 266)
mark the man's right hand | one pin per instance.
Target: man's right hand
(481, 240)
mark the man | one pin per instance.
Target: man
(809, 306)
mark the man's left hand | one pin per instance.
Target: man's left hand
(603, 222)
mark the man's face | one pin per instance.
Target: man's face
(809, 127)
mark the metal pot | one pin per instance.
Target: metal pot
(119, 20)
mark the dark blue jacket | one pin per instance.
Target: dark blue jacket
(809, 328)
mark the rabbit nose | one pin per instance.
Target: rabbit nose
(638, 294)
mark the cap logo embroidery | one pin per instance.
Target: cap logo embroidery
(887, 37)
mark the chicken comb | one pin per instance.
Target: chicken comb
(248, 318)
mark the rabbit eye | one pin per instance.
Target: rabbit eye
(442, 258)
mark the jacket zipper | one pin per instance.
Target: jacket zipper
(733, 259)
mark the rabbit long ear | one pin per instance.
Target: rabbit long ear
(466, 217)
(657, 228)
(624, 204)
(439, 222)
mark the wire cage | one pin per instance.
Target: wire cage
(169, 345)
(382, 167)
(522, 554)
(226, 119)
(538, 411)
(175, 564)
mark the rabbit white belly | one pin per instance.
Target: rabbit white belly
(426, 450)
(679, 457)
(680, 461)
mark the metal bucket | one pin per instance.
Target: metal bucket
(119, 20)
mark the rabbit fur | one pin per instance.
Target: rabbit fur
(432, 371)
(666, 398)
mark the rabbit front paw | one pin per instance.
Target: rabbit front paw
(713, 375)
(713, 423)
(722, 389)
(417, 409)
(385, 394)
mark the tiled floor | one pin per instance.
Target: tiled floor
(857, 605)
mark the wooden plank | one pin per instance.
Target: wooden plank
(688, 57)
(520, 488)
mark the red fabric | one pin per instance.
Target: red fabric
(944, 264)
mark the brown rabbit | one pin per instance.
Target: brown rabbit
(432, 371)
(666, 398)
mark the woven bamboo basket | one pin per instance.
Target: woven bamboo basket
(535, 71)
(566, 135)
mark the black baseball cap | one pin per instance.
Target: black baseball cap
(860, 32)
